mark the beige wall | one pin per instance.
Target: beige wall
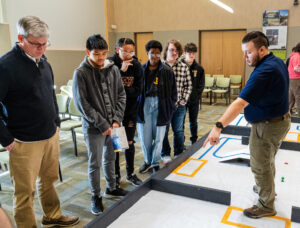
(70, 21)
(5, 44)
(63, 63)
(157, 15)
(183, 20)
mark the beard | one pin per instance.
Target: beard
(255, 61)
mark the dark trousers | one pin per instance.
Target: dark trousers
(130, 127)
(177, 123)
(193, 109)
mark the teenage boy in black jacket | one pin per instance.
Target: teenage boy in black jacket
(198, 81)
(131, 73)
(157, 104)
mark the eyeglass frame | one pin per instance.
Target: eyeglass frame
(173, 51)
(38, 45)
(154, 55)
(127, 53)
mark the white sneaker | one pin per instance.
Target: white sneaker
(166, 159)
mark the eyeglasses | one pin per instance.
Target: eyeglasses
(173, 51)
(38, 45)
(154, 55)
(127, 53)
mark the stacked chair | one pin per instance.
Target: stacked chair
(70, 116)
(235, 82)
(222, 87)
(209, 83)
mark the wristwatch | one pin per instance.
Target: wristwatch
(219, 125)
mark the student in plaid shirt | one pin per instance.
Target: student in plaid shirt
(172, 53)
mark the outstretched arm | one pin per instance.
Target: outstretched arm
(232, 111)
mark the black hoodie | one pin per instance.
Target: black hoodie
(198, 81)
(132, 81)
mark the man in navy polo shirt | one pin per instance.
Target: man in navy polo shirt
(265, 103)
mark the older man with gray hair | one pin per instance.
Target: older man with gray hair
(30, 131)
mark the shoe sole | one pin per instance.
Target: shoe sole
(132, 183)
(61, 225)
(146, 170)
(249, 215)
(108, 196)
(96, 213)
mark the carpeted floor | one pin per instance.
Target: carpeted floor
(74, 191)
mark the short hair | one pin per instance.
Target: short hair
(96, 41)
(153, 44)
(123, 41)
(258, 38)
(32, 25)
(190, 47)
(178, 46)
(296, 48)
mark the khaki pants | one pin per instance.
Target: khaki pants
(265, 140)
(27, 162)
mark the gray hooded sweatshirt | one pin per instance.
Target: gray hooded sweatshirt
(99, 96)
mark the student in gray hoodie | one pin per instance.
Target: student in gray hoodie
(100, 97)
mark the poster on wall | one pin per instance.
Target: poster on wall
(275, 28)
(275, 18)
(277, 36)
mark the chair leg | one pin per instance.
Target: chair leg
(210, 97)
(215, 98)
(227, 97)
(75, 142)
(59, 172)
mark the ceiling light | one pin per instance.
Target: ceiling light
(224, 6)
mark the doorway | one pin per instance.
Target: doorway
(221, 53)
(141, 39)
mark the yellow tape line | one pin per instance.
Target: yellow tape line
(297, 140)
(229, 210)
(187, 161)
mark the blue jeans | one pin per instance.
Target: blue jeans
(178, 129)
(193, 115)
(150, 135)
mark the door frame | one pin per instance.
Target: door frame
(135, 38)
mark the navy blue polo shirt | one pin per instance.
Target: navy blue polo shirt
(266, 90)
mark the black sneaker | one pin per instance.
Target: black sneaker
(155, 169)
(145, 168)
(134, 180)
(97, 206)
(117, 193)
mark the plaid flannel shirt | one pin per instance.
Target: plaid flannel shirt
(183, 81)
